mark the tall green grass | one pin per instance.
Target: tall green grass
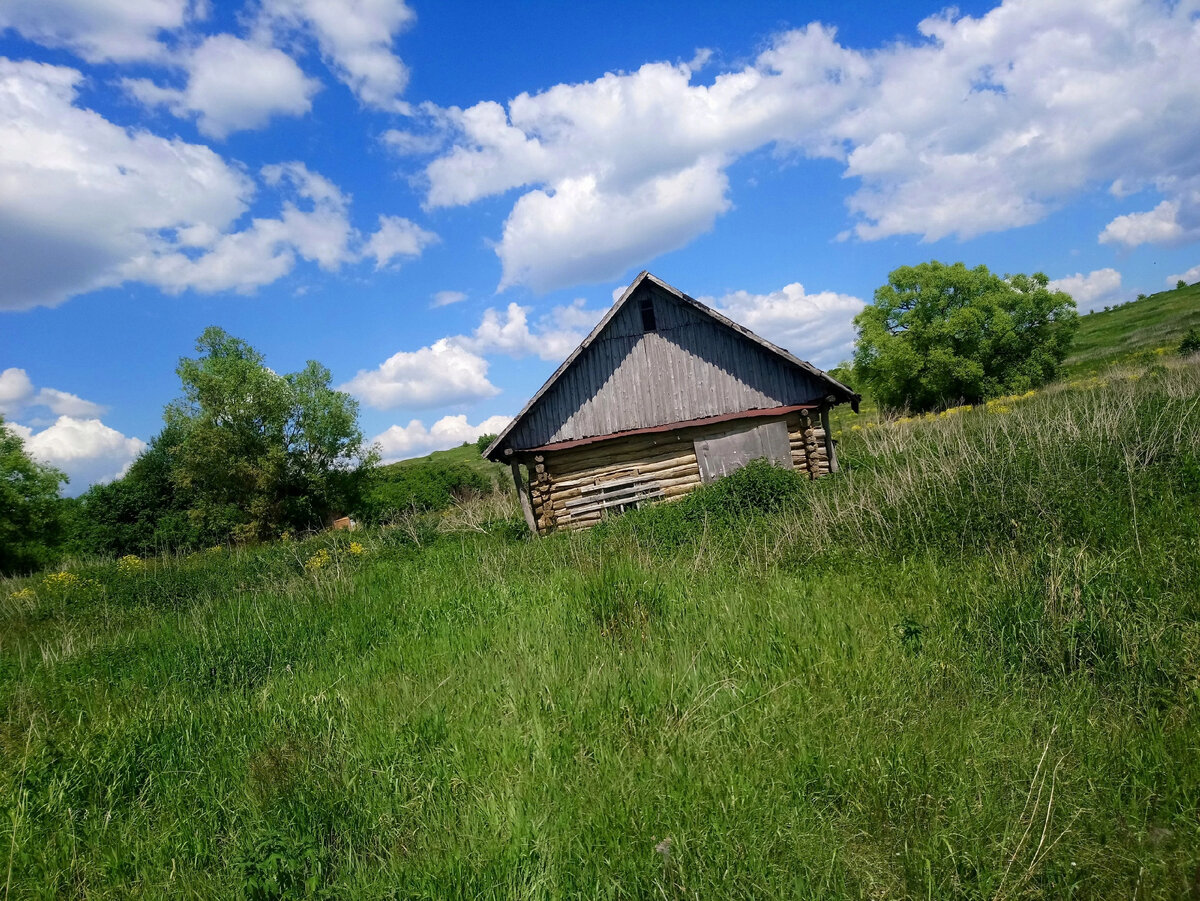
(966, 666)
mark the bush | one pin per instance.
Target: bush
(30, 510)
(757, 489)
(420, 487)
(1180, 284)
(1190, 343)
(484, 441)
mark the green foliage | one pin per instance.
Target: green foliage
(1157, 323)
(1180, 284)
(141, 513)
(260, 453)
(869, 691)
(483, 441)
(30, 510)
(1190, 343)
(400, 490)
(938, 335)
(759, 488)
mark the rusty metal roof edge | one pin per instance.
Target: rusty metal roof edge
(644, 276)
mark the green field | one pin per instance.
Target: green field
(965, 667)
(467, 455)
(1158, 321)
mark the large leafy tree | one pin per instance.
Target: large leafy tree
(259, 453)
(941, 334)
(30, 507)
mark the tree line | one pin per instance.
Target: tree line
(245, 454)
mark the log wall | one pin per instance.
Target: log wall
(576, 488)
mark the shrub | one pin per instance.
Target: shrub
(484, 441)
(757, 489)
(1180, 284)
(1190, 343)
(420, 487)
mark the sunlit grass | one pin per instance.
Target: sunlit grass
(966, 666)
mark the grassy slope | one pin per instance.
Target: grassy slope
(965, 668)
(467, 454)
(1155, 322)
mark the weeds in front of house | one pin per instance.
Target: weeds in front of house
(963, 667)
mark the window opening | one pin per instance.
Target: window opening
(647, 307)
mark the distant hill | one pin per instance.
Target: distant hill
(465, 455)
(1141, 325)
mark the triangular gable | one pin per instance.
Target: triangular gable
(620, 378)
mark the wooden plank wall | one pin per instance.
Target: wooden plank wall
(689, 367)
(576, 488)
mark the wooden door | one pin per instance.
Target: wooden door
(719, 455)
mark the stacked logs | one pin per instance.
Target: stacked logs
(540, 489)
(664, 466)
(810, 446)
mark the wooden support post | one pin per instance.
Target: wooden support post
(833, 464)
(523, 494)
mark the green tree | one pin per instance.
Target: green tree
(30, 507)
(140, 513)
(940, 334)
(1180, 284)
(260, 453)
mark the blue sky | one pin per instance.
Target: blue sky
(437, 200)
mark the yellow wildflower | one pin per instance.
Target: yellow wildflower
(356, 549)
(131, 563)
(318, 561)
(23, 594)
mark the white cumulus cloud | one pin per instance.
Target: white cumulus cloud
(817, 327)
(355, 38)
(397, 237)
(1191, 276)
(18, 396)
(1090, 291)
(441, 374)
(87, 450)
(219, 93)
(416, 440)
(1157, 226)
(454, 369)
(980, 124)
(554, 336)
(89, 204)
(98, 31)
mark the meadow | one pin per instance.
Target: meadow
(965, 667)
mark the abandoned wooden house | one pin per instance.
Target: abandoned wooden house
(664, 395)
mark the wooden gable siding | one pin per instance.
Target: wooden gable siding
(688, 368)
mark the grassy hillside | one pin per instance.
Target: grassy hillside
(965, 668)
(466, 455)
(1142, 325)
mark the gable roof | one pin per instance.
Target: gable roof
(834, 388)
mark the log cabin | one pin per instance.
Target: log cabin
(663, 396)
